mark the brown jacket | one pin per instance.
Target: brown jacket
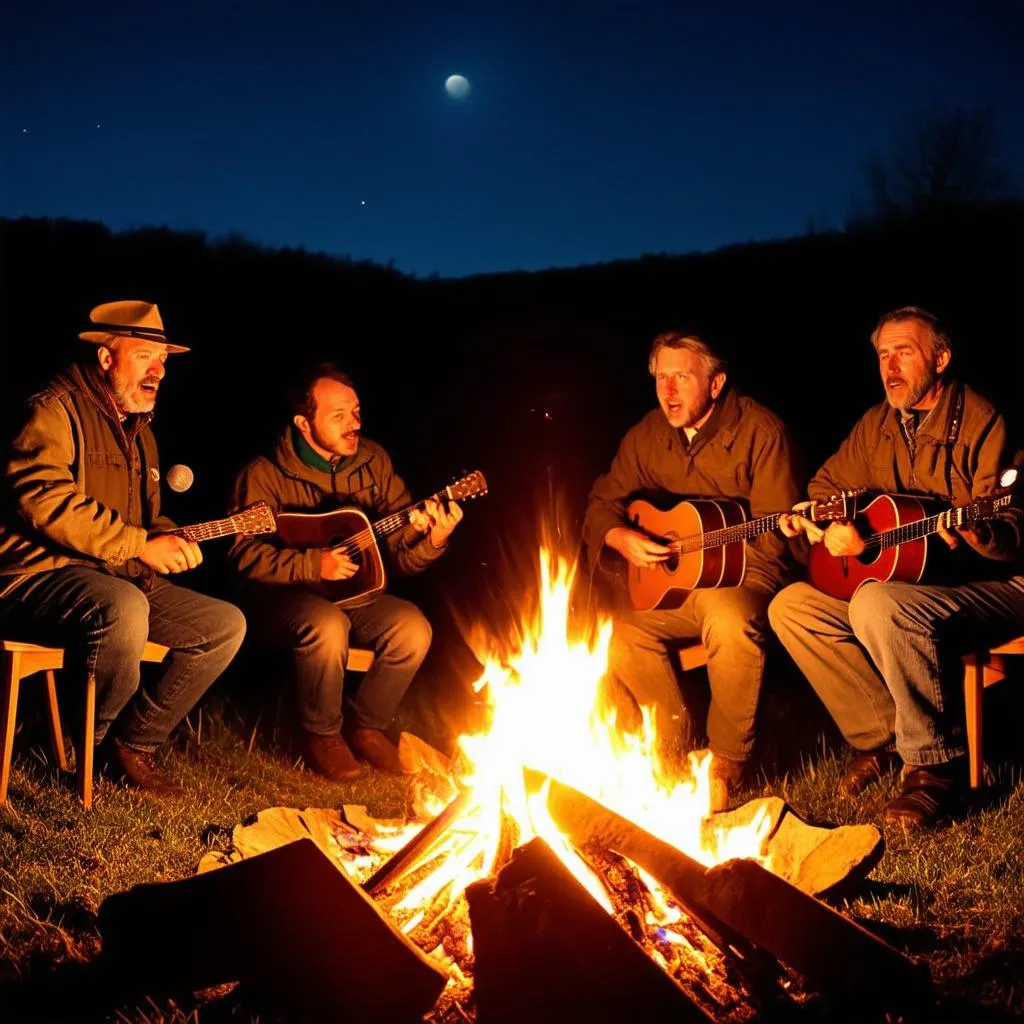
(952, 461)
(742, 452)
(287, 484)
(79, 486)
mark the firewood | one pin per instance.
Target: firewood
(546, 951)
(289, 924)
(417, 847)
(838, 956)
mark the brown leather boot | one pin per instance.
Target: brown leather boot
(725, 776)
(139, 769)
(867, 767)
(377, 750)
(330, 756)
(928, 794)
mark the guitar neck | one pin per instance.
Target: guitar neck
(921, 528)
(398, 520)
(209, 530)
(741, 531)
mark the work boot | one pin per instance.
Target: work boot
(866, 768)
(725, 776)
(377, 750)
(138, 768)
(330, 757)
(928, 794)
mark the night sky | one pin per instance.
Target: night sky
(592, 131)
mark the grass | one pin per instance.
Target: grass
(954, 896)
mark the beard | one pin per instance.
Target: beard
(129, 396)
(911, 393)
(336, 447)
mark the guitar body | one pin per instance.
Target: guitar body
(668, 584)
(902, 563)
(330, 530)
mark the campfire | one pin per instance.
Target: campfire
(548, 722)
(557, 868)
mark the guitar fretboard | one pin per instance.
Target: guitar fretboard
(398, 519)
(741, 531)
(210, 530)
(950, 519)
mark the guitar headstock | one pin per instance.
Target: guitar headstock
(836, 507)
(472, 485)
(987, 505)
(255, 518)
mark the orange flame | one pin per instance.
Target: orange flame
(544, 702)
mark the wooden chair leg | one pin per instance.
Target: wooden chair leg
(974, 688)
(56, 733)
(88, 736)
(10, 682)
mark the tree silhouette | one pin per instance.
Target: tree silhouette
(944, 161)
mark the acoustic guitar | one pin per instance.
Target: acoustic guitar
(896, 528)
(350, 530)
(708, 541)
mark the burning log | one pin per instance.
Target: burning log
(417, 848)
(591, 825)
(837, 955)
(288, 923)
(546, 951)
(759, 915)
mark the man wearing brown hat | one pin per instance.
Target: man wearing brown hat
(84, 550)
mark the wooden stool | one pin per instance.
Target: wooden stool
(694, 656)
(17, 662)
(20, 660)
(982, 668)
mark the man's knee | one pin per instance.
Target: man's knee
(227, 624)
(730, 622)
(874, 606)
(324, 626)
(412, 634)
(786, 607)
(120, 619)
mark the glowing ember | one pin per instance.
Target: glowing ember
(546, 715)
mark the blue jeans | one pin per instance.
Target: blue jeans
(315, 634)
(103, 623)
(887, 663)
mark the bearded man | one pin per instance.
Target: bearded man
(84, 550)
(704, 440)
(886, 663)
(322, 462)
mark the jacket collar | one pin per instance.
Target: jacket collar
(291, 463)
(721, 426)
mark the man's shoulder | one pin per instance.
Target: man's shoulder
(261, 467)
(373, 451)
(753, 413)
(977, 405)
(653, 425)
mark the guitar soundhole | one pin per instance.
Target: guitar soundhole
(671, 564)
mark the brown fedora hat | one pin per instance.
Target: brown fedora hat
(128, 319)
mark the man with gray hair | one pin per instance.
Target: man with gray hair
(85, 550)
(705, 440)
(887, 662)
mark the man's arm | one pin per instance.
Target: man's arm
(606, 505)
(998, 538)
(262, 558)
(411, 551)
(848, 469)
(40, 479)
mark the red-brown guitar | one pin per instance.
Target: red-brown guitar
(350, 530)
(896, 528)
(708, 538)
